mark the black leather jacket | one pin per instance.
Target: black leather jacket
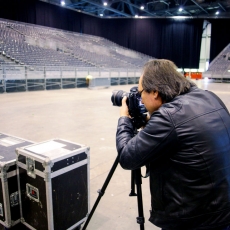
(186, 142)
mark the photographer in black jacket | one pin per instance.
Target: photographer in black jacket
(186, 143)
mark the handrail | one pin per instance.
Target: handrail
(25, 78)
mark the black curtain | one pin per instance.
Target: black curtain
(19, 10)
(40, 13)
(178, 41)
(90, 25)
(57, 17)
(181, 42)
(220, 36)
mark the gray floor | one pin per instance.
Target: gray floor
(87, 117)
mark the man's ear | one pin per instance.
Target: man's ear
(155, 94)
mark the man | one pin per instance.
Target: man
(186, 144)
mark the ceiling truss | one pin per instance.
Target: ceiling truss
(151, 8)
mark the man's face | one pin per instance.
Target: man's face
(152, 100)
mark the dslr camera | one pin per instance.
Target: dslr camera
(137, 110)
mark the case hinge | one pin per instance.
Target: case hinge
(14, 199)
(30, 165)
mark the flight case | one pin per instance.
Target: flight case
(9, 195)
(54, 184)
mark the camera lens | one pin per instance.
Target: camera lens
(117, 96)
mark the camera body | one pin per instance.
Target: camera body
(137, 110)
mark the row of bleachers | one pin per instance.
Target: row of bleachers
(221, 62)
(219, 68)
(13, 46)
(32, 45)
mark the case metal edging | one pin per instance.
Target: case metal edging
(11, 174)
(47, 164)
(75, 143)
(22, 151)
(29, 226)
(49, 206)
(73, 152)
(68, 168)
(19, 194)
(5, 193)
(37, 172)
(88, 178)
(77, 224)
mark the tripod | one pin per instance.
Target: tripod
(135, 179)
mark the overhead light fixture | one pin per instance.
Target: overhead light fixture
(105, 3)
(142, 7)
(217, 12)
(179, 17)
(62, 3)
(180, 9)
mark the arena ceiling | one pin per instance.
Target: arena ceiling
(149, 8)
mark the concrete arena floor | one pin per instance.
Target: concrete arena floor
(86, 116)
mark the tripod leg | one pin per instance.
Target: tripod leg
(132, 193)
(138, 181)
(102, 191)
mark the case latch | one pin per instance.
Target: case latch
(1, 210)
(30, 165)
(14, 199)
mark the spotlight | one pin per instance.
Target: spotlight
(142, 7)
(180, 9)
(101, 15)
(62, 3)
(105, 3)
(136, 16)
(217, 12)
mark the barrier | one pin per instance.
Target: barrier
(21, 78)
(217, 76)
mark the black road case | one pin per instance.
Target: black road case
(53, 184)
(9, 194)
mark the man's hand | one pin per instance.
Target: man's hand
(124, 110)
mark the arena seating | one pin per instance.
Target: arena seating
(35, 57)
(33, 45)
(219, 68)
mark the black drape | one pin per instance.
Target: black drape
(57, 17)
(178, 41)
(40, 13)
(90, 25)
(220, 36)
(19, 10)
(181, 41)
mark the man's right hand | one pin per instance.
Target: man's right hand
(124, 110)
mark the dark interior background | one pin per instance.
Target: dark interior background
(220, 36)
(179, 41)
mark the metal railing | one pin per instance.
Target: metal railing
(15, 78)
(220, 76)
